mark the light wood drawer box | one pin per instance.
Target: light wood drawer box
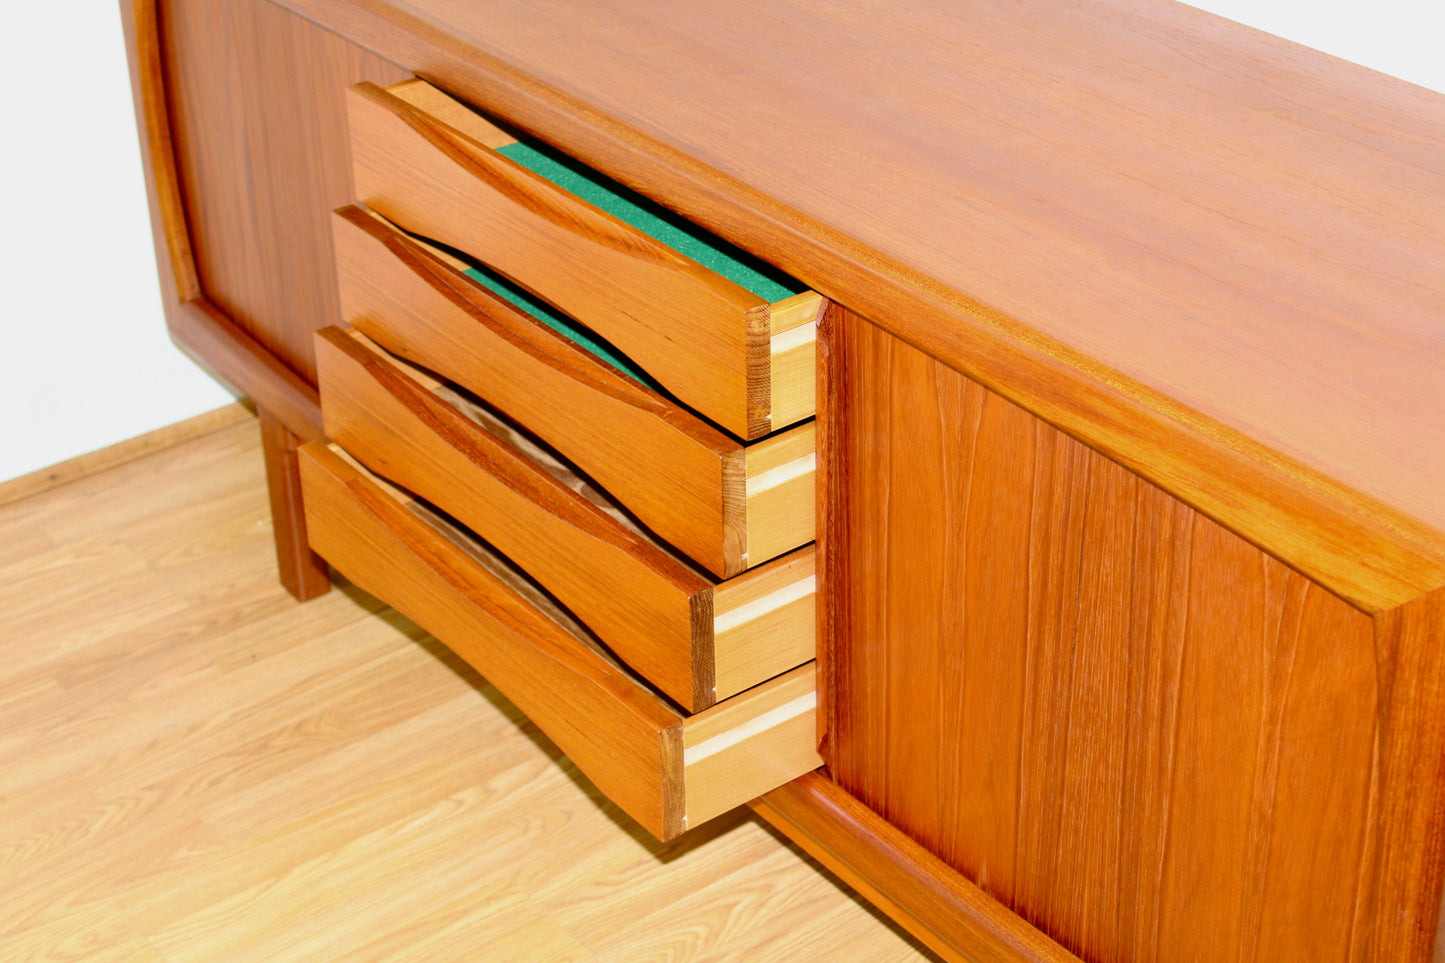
(695, 638)
(742, 356)
(668, 770)
(726, 504)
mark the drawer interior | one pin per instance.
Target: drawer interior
(657, 222)
(590, 185)
(539, 310)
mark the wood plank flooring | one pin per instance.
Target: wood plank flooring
(194, 767)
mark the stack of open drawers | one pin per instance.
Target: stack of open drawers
(610, 520)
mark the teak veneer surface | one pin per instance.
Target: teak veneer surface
(696, 486)
(704, 336)
(1132, 727)
(615, 729)
(1213, 254)
(256, 100)
(654, 609)
(648, 606)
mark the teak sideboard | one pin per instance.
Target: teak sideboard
(1129, 451)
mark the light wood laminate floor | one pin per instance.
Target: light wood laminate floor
(194, 767)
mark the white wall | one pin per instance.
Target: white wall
(86, 361)
(1399, 37)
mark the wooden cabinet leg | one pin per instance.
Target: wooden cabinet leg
(302, 571)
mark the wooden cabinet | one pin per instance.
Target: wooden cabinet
(530, 545)
(1129, 439)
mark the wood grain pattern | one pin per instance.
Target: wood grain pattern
(257, 111)
(616, 729)
(302, 571)
(650, 605)
(1197, 311)
(1127, 724)
(741, 748)
(951, 915)
(780, 479)
(1405, 914)
(227, 350)
(1129, 265)
(764, 621)
(651, 608)
(418, 307)
(452, 113)
(684, 479)
(232, 775)
(703, 337)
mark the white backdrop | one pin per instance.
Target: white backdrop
(86, 361)
(1400, 37)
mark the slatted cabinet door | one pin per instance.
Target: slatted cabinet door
(1128, 724)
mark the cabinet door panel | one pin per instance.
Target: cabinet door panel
(257, 105)
(1128, 724)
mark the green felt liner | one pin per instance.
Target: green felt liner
(684, 237)
(563, 325)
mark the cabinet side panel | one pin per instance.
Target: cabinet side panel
(1138, 731)
(259, 120)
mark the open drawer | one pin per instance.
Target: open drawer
(731, 338)
(727, 505)
(669, 771)
(696, 638)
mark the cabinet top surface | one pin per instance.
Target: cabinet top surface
(1246, 229)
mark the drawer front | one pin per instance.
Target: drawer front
(725, 504)
(696, 639)
(428, 164)
(667, 770)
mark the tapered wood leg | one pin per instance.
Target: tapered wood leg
(302, 571)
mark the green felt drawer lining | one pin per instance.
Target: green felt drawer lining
(581, 336)
(656, 221)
